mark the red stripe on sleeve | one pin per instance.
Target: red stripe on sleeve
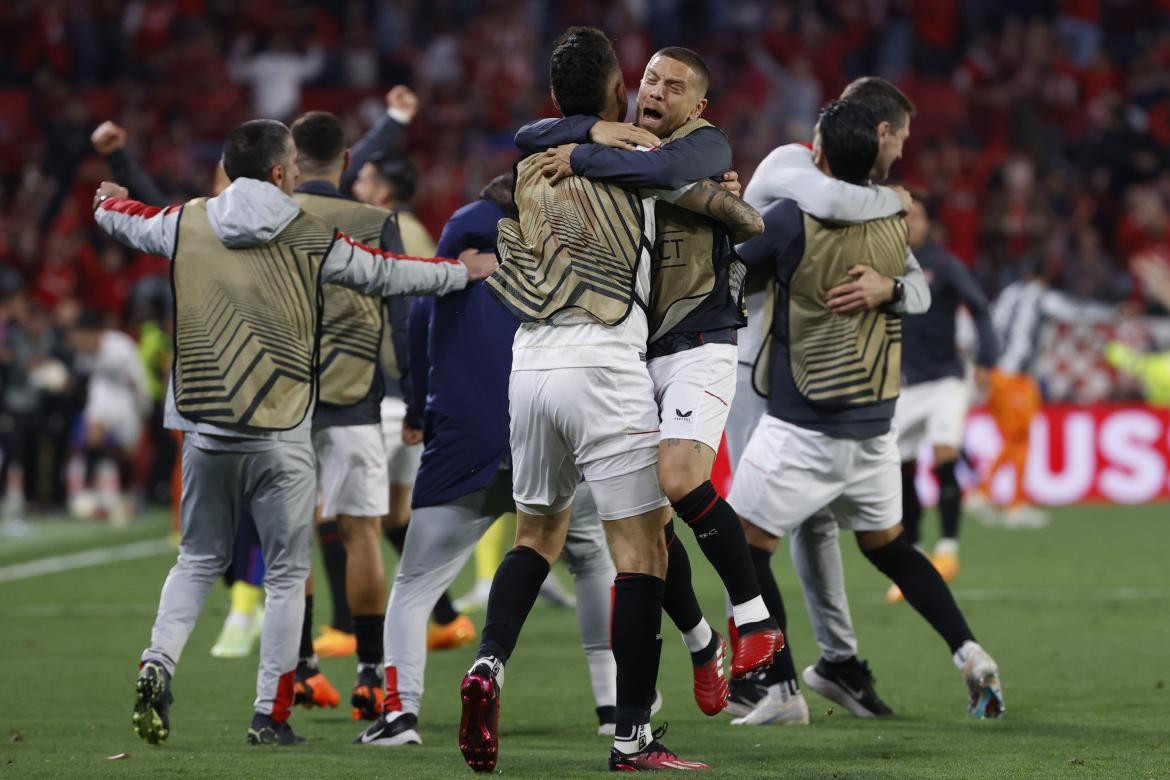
(135, 208)
(391, 255)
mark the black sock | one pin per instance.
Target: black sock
(333, 553)
(444, 611)
(306, 651)
(950, 499)
(782, 670)
(514, 591)
(911, 507)
(923, 588)
(637, 646)
(368, 631)
(721, 539)
(678, 599)
(396, 537)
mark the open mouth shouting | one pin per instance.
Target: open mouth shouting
(649, 118)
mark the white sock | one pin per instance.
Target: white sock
(497, 667)
(750, 611)
(635, 742)
(603, 674)
(946, 546)
(963, 653)
(783, 690)
(238, 620)
(698, 637)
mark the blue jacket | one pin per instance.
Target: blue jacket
(461, 358)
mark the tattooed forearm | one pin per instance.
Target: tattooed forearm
(711, 199)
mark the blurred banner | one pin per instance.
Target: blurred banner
(1099, 453)
(1111, 453)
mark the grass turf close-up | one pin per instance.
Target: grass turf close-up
(1076, 614)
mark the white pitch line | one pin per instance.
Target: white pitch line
(103, 555)
(1056, 594)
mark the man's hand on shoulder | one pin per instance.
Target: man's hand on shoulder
(557, 163)
(480, 265)
(402, 103)
(866, 289)
(107, 190)
(108, 138)
(621, 135)
(904, 196)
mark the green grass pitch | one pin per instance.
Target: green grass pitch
(1078, 616)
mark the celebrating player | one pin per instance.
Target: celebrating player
(243, 392)
(464, 480)
(831, 368)
(582, 403)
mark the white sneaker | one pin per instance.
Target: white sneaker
(474, 599)
(239, 634)
(982, 677)
(1025, 516)
(777, 709)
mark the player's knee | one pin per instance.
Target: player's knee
(872, 541)
(758, 537)
(358, 532)
(677, 484)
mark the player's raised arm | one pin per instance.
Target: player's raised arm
(150, 229)
(712, 200)
(377, 272)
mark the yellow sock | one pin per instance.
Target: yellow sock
(245, 597)
(489, 552)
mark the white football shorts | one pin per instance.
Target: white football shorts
(788, 473)
(694, 390)
(352, 475)
(600, 424)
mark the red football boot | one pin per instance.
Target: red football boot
(479, 726)
(755, 649)
(711, 690)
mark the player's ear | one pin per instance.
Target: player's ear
(883, 130)
(700, 107)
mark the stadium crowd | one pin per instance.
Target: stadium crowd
(1041, 142)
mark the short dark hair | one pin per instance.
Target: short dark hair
(887, 102)
(849, 139)
(579, 70)
(398, 174)
(254, 148)
(692, 60)
(320, 139)
(499, 191)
